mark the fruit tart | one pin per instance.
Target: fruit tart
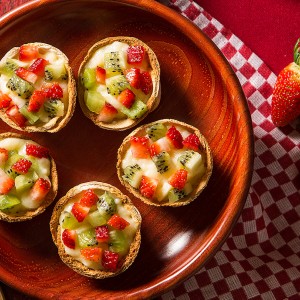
(37, 88)
(165, 163)
(28, 178)
(96, 229)
(119, 82)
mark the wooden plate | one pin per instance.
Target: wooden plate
(198, 87)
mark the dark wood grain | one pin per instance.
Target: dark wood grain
(198, 87)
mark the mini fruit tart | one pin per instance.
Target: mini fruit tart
(96, 229)
(119, 82)
(37, 88)
(165, 163)
(28, 178)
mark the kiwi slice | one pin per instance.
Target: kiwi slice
(162, 162)
(55, 72)
(89, 78)
(106, 204)
(8, 201)
(25, 182)
(95, 218)
(118, 242)
(87, 238)
(30, 116)
(113, 63)
(69, 221)
(175, 194)
(190, 160)
(23, 88)
(13, 158)
(10, 66)
(94, 101)
(156, 131)
(54, 108)
(136, 110)
(133, 175)
(116, 84)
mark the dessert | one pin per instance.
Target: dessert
(96, 229)
(28, 178)
(165, 163)
(119, 82)
(37, 88)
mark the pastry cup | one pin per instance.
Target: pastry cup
(29, 214)
(154, 99)
(57, 123)
(197, 189)
(55, 229)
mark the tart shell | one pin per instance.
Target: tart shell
(28, 215)
(55, 229)
(53, 125)
(153, 101)
(141, 131)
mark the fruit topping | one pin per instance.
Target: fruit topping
(6, 183)
(100, 75)
(106, 204)
(69, 221)
(3, 156)
(5, 100)
(192, 142)
(25, 182)
(118, 242)
(89, 198)
(22, 166)
(87, 238)
(54, 108)
(156, 131)
(116, 84)
(133, 175)
(55, 72)
(148, 186)
(133, 76)
(178, 179)
(38, 66)
(135, 54)
(69, 238)
(117, 222)
(113, 63)
(28, 52)
(110, 260)
(95, 218)
(127, 98)
(14, 114)
(146, 82)
(190, 160)
(102, 233)
(36, 101)
(53, 91)
(175, 137)
(139, 147)
(37, 150)
(92, 254)
(20, 86)
(162, 162)
(8, 201)
(40, 189)
(107, 114)
(26, 75)
(137, 110)
(94, 101)
(80, 211)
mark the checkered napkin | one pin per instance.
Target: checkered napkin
(261, 257)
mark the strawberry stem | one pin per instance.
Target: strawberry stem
(297, 52)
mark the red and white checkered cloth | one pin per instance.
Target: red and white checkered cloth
(261, 257)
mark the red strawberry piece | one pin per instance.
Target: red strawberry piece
(192, 142)
(79, 211)
(36, 101)
(93, 254)
(117, 222)
(22, 166)
(89, 198)
(102, 233)
(26, 75)
(14, 114)
(148, 186)
(140, 147)
(146, 82)
(135, 54)
(38, 66)
(159, 146)
(3, 156)
(107, 113)
(69, 238)
(28, 52)
(53, 91)
(37, 151)
(178, 179)
(5, 100)
(133, 76)
(110, 260)
(127, 98)
(175, 137)
(6, 183)
(40, 189)
(100, 75)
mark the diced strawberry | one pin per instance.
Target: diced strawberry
(69, 238)
(89, 198)
(40, 189)
(110, 260)
(79, 211)
(28, 52)
(36, 101)
(100, 75)
(175, 137)
(102, 233)
(178, 179)
(3, 156)
(192, 142)
(37, 150)
(139, 147)
(146, 82)
(38, 66)
(159, 146)
(22, 166)
(53, 91)
(5, 100)
(92, 254)
(14, 114)
(26, 75)
(127, 98)
(117, 222)
(135, 54)
(6, 183)
(148, 187)
(133, 76)
(107, 113)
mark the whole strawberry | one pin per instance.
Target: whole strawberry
(286, 95)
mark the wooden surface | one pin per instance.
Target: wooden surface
(198, 88)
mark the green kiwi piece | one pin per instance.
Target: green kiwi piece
(21, 87)
(162, 161)
(136, 111)
(8, 201)
(87, 238)
(133, 175)
(106, 204)
(156, 131)
(55, 72)
(116, 84)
